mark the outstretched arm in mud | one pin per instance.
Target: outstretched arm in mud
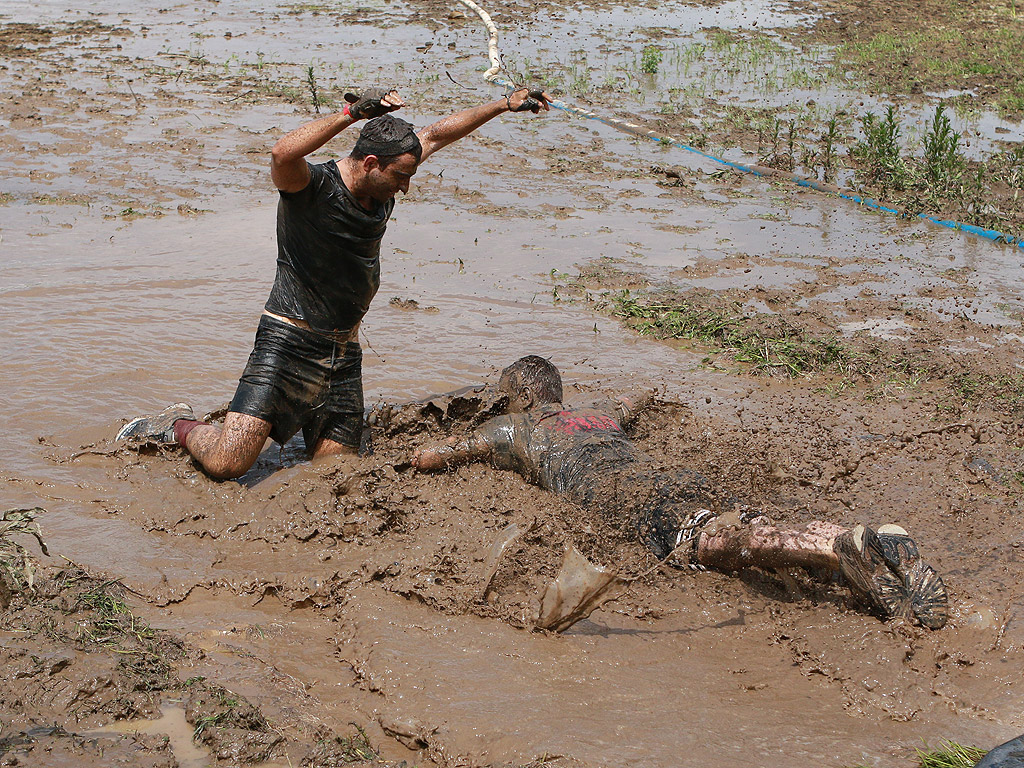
(288, 166)
(453, 451)
(454, 127)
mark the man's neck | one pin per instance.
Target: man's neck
(351, 175)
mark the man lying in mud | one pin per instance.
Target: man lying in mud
(305, 370)
(584, 454)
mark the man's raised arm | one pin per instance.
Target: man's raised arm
(288, 166)
(454, 127)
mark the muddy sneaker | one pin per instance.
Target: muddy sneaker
(884, 568)
(158, 428)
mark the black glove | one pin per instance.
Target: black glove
(367, 104)
(532, 102)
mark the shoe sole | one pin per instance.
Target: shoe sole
(885, 568)
(128, 430)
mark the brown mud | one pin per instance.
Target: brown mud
(353, 609)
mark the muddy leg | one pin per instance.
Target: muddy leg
(325, 447)
(766, 546)
(229, 451)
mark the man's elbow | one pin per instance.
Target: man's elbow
(280, 154)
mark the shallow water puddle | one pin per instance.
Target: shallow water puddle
(171, 724)
(179, 733)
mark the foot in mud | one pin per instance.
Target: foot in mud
(157, 428)
(884, 568)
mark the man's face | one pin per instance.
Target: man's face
(384, 182)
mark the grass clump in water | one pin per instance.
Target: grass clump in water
(950, 755)
(16, 569)
(650, 59)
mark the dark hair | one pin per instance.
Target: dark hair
(540, 376)
(387, 137)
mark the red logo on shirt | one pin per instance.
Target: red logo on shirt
(570, 423)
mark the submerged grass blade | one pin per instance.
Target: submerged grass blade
(950, 754)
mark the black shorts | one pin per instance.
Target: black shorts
(298, 379)
(663, 509)
(675, 505)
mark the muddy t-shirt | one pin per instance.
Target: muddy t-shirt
(558, 449)
(328, 253)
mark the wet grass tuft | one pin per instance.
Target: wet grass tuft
(112, 620)
(341, 750)
(950, 755)
(16, 569)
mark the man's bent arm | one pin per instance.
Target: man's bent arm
(454, 127)
(630, 405)
(288, 166)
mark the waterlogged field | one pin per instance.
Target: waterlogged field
(814, 357)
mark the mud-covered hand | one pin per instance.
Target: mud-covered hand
(373, 102)
(427, 460)
(527, 100)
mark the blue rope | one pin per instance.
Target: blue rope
(760, 171)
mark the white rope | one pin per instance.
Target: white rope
(492, 43)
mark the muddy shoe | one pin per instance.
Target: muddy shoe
(884, 568)
(157, 428)
(923, 588)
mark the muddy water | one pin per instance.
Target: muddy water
(115, 300)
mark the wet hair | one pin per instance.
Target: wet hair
(538, 375)
(387, 137)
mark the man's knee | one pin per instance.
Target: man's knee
(227, 467)
(229, 452)
(327, 447)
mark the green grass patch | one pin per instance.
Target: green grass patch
(943, 56)
(773, 346)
